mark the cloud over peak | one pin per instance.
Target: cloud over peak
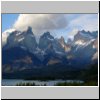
(40, 22)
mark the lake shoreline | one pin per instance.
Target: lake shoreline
(14, 82)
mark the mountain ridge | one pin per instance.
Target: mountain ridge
(49, 50)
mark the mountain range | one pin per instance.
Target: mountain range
(22, 52)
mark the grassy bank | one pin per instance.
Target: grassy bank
(91, 83)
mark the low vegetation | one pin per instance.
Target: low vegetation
(89, 75)
(91, 83)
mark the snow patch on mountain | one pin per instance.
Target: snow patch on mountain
(19, 33)
(21, 39)
(79, 42)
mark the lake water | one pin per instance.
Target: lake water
(13, 82)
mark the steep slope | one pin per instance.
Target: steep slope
(82, 47)
(24, 39)
(66, 47)
(95, 46)
(18, 59)
(23, 52)
(5, 35)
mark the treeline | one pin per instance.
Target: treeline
(90, 75)
(55, 72)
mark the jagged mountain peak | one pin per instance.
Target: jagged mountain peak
(29, 30)
(25, 39)
(83, 35)
(69, 41)
(47, 35)
(62, 39)
(80, 49)
(88, 34)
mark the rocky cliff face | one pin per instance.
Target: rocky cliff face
(22, 50)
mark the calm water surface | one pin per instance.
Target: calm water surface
(13, 82)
